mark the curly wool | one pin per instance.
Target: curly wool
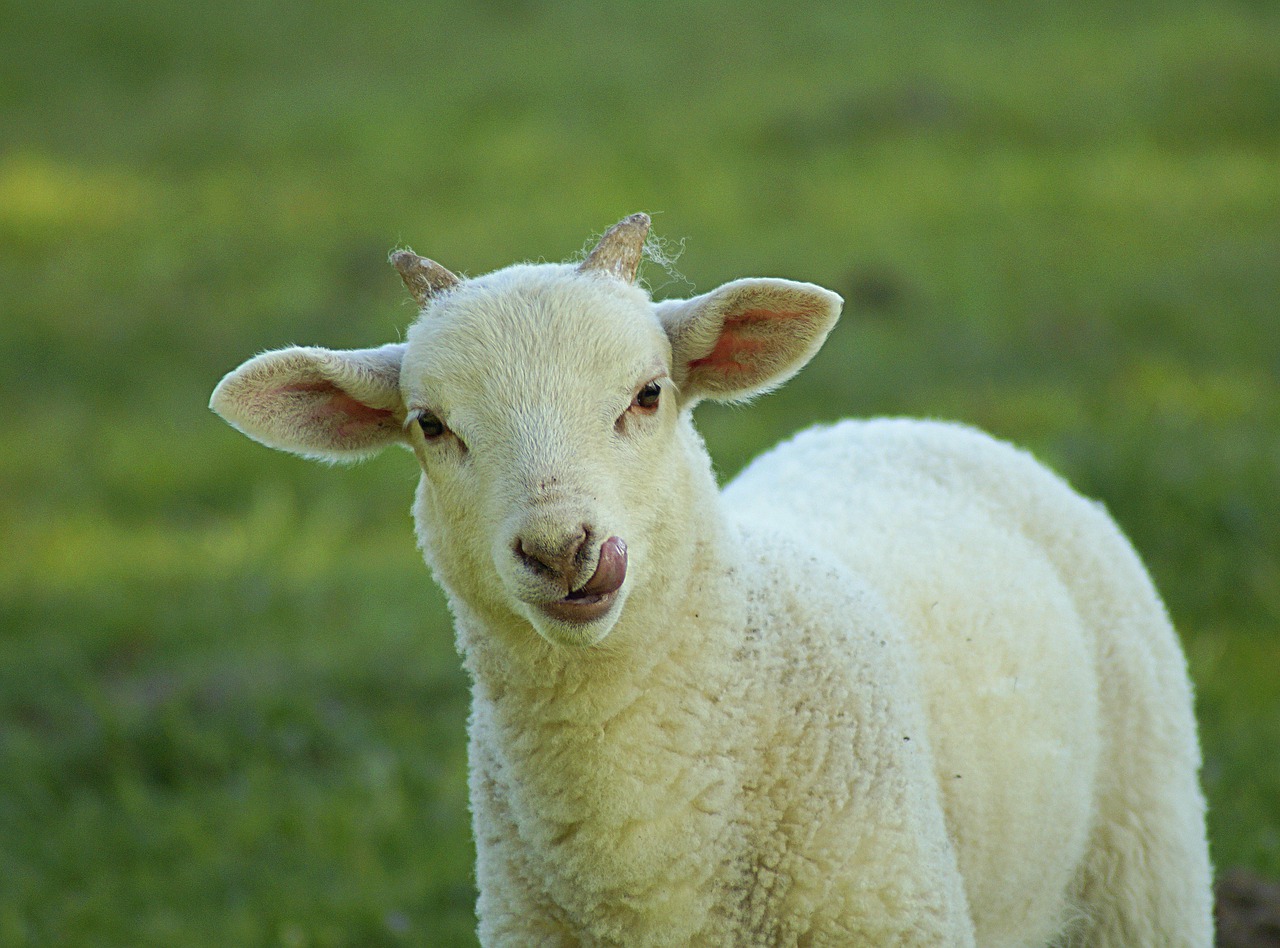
(897, 684)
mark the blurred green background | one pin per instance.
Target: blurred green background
(230, 711)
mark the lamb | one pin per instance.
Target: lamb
(897, 684)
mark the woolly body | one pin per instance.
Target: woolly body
(897, 685)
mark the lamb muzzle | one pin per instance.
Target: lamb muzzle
(595, 597)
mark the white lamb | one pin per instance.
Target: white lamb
(896, 685)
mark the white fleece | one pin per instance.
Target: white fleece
(896, 685)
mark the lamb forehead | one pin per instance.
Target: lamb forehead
(529, 325)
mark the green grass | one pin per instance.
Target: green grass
(230, 711)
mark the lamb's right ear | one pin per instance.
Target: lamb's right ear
(746, 337)
(320, 403)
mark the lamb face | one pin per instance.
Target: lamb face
(547, 406)
(540, 405)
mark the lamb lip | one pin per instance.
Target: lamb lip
(580, 610)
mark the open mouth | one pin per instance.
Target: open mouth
(595, 597)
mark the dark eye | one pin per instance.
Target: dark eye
(432, 427)
(647, 397)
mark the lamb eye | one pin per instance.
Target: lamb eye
(432, 427)
(647, 397)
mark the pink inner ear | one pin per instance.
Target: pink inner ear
(332, 408)
(728, 354)
(737, 344)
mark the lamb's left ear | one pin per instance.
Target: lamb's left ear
(746, 337)
(320, 403)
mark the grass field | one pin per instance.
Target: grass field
(230, 710)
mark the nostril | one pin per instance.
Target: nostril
(576, 542)
(555, 555)
(533, 556)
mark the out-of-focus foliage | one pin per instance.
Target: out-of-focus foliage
(230, 712)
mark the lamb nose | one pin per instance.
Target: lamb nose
(554, 555)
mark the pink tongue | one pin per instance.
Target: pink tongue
(611, 570)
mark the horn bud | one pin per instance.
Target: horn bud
(620, 249)
(423, 278)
